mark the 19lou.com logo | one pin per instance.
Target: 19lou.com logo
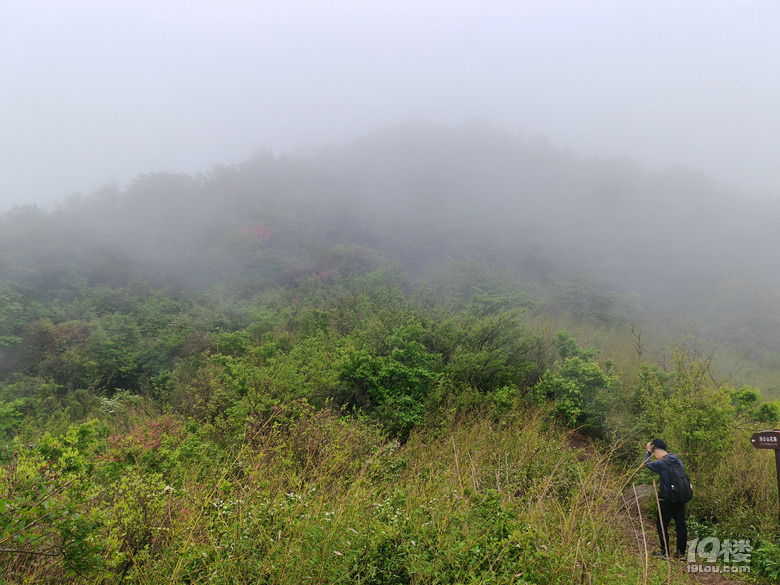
(711, 555)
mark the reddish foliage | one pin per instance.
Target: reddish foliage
(149, 436)
(65, 334)
(257, 230)
(326, 276)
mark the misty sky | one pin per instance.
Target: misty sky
(97, 91)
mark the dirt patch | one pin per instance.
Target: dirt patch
(582, 444)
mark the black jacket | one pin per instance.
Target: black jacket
(661, 467)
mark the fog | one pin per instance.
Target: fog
(605, 242)
(95, 93)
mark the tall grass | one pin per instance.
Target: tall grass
(737, 496)
(481, 503)
(308, 496)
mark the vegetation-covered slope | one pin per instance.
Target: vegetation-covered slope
(361, 364)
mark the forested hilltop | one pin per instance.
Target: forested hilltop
(365, 363)
(669, 248)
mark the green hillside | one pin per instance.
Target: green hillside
(431, 356)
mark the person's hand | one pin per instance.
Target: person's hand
(649, 447)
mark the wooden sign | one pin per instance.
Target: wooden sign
(766, 440)
(769, 440)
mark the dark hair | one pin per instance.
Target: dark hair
(659, 444)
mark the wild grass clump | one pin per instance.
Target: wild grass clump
(482, 502)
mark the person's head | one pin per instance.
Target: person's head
(659, 448)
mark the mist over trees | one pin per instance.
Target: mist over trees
(673, 245)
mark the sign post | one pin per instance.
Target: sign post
(769, 440)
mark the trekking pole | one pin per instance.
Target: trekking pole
(663, 532)
(642, 525)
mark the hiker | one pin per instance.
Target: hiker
(671, 500)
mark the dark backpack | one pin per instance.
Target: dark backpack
(680, 488)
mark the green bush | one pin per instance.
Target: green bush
(577, 387)
(766, 561)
